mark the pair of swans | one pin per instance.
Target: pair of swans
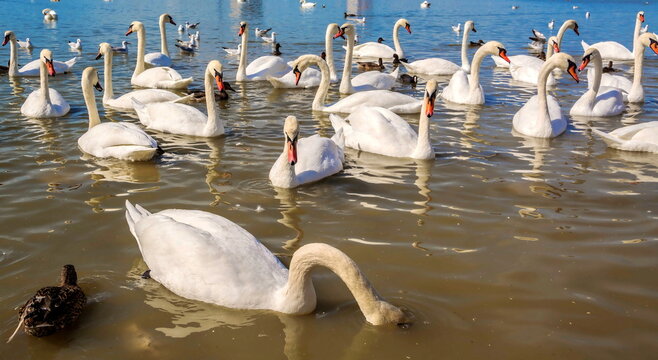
(541, 116)
(394, 101)
(33, 67)
(306, 160)
(377, 50)
(380, 131)
(158, 77)
(597, 102)
(45, 102)
(631, 90)
(161, 58)
(183, 119)
(219, 262)
(124, 101)
(465, 88)
(438, 66)
(260, 68)
(119, 140)
(612, 50)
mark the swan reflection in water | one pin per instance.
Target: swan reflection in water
(290, 216)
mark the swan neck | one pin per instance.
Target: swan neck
(541, 92)
(214, 124)
(163, 37)
(141, 45)
(13, 58)
(346, 81)
(284, 172)
(474, 81)
(424, 146)
(43, 77)
(396, 40)
(242, 66)
(636, 32)
(598, 70)
(465, 62)
(329, 50)
(90, 101)
(323, 89)
(108, 94)
(638, 65)
(560, 35)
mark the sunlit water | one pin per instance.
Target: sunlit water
(501, 247)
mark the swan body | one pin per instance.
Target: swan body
(260, 68)
(396, 102)
(465, 88)
(306, 160)
(184, 119)
(425, 4)
(612, 50)
(45, 102)
(27, 44)
(219, 262)
(438, 66)
(157, 77)
(49, 15)
(306, 4)
(123, 49)
(75, 45)
(541, 116)
(639, 137)
(33, 67)
(380, 131)
(119, 140)
(596, 101)
(161, 58)
(378, 50)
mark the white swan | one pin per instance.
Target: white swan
(438, 66)
(260, 68)
(45, 102)
(33, 67)
(75, 45)
(123, 49)
(311, 77)
(425, 4)
(541, 116)
(396, 102)
(466, 89)
(380, 131)
(531, 60)
(528, 70)
(161, 58)
(595, 101)
(369, 80)
(377, 50)
(633, 91)
(27, 44)
(612, 50)
(157, 77)
(184, 119)
(219, 262)
(124, 101)
(306, 160)
(119, 140)
(639, 137)
(306, 4)
(49, 15)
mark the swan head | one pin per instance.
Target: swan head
(589, 54)
(243, 28)
(345, 29)
(302, 63)
(90, 76)
(404, 23)
(495, 48)
(9, 36)
(215, 70)
(45, 11)
(640, 16)
(571, 24)
(104, 49)
(166, 18)
(650, 40)
(135, 26)
(469, 25)
(564, 62)
(430, 97)
(46, 57)
(552, 41)
(291, 132)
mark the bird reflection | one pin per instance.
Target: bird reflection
(539, 146)
(133, 172)
(290, 216)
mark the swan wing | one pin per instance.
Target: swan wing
(157, 59)
(310, 78)
(612, 50)
(529, 73)
(432, 66)
(396, 102)
(265, 66)
(613, 81)
(123, 141)
(374, 50)
(458, 88)
(145, 96)
(531, 122)
(318, 157)
(172, 118)
(377, 80)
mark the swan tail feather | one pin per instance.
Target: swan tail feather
(396, 73)
(182, 99)
(276, 83)
(142, 113)
(133, 215)
(610, 140)
(337, 122)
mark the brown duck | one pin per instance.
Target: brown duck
(52, 308)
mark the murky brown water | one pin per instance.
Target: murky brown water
(502, 247)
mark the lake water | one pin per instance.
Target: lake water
(501, 247)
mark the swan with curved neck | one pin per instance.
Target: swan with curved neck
(612, 50)
(311, 77)
(633, 91)
(33, 67)
(380, 131)
(466, 89)
(260, 68)
(306, 160)
(121, 140)
(45, 102)
(541, 116)
(396, 102)
(369, 80)
(221, 263)
(124, 102)
(527, 60)
(158, 77)
(183, 119)
(376, 50)
(161, 58)
(595, 101)
(438, 66)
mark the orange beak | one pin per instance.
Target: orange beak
(503, 54)
(572, 71)
(292, 151)
(241, 31)
(340, 33)
(50, 67)
(429, 105)
(298, 75)
(408, 27)
(654, 46)
(5, 41)
(584, 64)
(130, 30)
(556, 47)
(219, 81)
(641, 17)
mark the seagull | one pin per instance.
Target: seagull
(27, 44)
(233, 51)
(191, 26)
(271, 39)
(575, 7)
(77, 45)
(644, 29)
(457, 29)
(192, 43)
(425, 4)
(121, 49)
(514, 7)
(587, 14)
(261, 33)
(196, 35)
(537, 36)
(551, 24)
(181, 28)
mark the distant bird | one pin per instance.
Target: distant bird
(380, 40)
(515, 7)
(587, 14)
(197, 36)
(49, 15)
(305, 4)
(476, 43)
(346, 15)
(397, 60)
(261, 33)
(457, 29)
(121, 49)
(276, 51)
(609, 68)
(52, 308)
(356, 38)
(233, 51)
(200, 95)
(188, 47)
(644, 29)
(408, 79)
(191, 26)
(27, 44)
(369, 65)
(425, 4)
(551, 24)
(575, 7)
(537, 36)
(77, 45)
(271, 39)
(181, 28)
